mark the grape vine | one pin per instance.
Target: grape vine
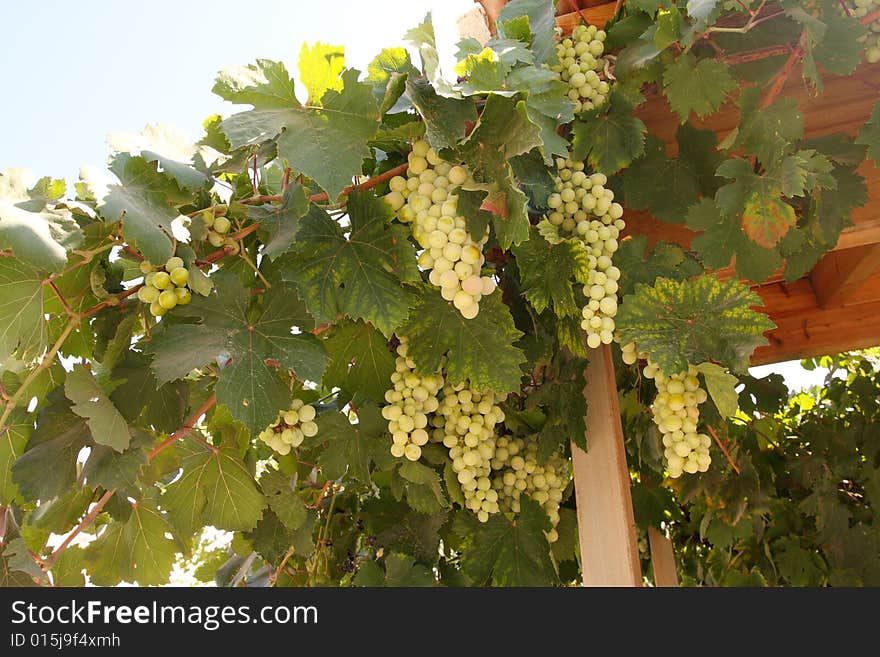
(348, 328)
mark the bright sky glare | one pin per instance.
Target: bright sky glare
(76, 71)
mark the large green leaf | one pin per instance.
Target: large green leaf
(869, 134)
(609, 138)
(360, 274)
(692, 321)
(38, 233)
(167, 146)
(284, 499)
(400, 570)
(327, 142)
(111, 469)
(698, 86)
(215, 488)
(320, 68)
(478, 350)
(13, 438)
(137, 550)
(258, 336)
(22, 323)
(550, 273)
(359, 360)
(279, 224)
(351, 447)
(542, 25)
(505, 552)
(264, 85)
(140, 201)
(446, 119)
(90, 402)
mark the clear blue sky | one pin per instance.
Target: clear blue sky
(76, 71)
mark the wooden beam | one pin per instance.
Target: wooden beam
(805, 329)
(662, 558)
(839, 274)
(606, 527)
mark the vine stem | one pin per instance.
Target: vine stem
(44, 364)
(779, 80)
(186, 428)
(85, 522)
(724, 449)
(61, 298)
(113, 301)
(867, 19)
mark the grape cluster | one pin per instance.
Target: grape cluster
(582, 207)
(860, 9)
(291, 427)
(218, 228)
(426, 200)
(676, 414)
(465, 424)
(410, 401)
(580, 61)
(165, 287)
(517, 473)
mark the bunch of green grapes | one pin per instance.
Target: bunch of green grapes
(465, 424)
(582, 207)
(291, 427)
(517, 472)
(580, 63)
(860, 9)
(676, 413)
(425, 199)
(218, 228)
(411, 400)
(164, 287)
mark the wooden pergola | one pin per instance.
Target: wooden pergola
(834, 308)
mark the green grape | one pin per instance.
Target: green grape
(291, 427)
(453, 257)
(581, 65)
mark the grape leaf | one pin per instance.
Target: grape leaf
(610, 137)
(90, 402)
(766, 219)
(507, 553)
(639, 265)
(723, 237)
(422, 485)
(358, 275)
(110, 469)
(502, 132)
(478, 350)
(446, 119)
(137, 550)
(264, 85)
(542, 25)
(359, 360)
(389, 72)
(140, 201)
(672, 187)
(279, 224)
(283, 499)
(22, 325)
(798, 566)
(422, 37)
(215, 488)
(650, 6)
(48, 467)
(140, 395)
(179, 350)
(320, 68)
(327, 142)
(38, 233)
(840, 50)
(351, 447)
(766, 132)
(721, 387)
(549, 273)
(400, 570)
(259, 339)
(168, 147)
(18, 558)
(692, 321)
(698, 86)
(565, 408)
(272, 539)
(13, 438)
(869, 135)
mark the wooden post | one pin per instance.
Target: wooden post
(609, 554)
(662, 558)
